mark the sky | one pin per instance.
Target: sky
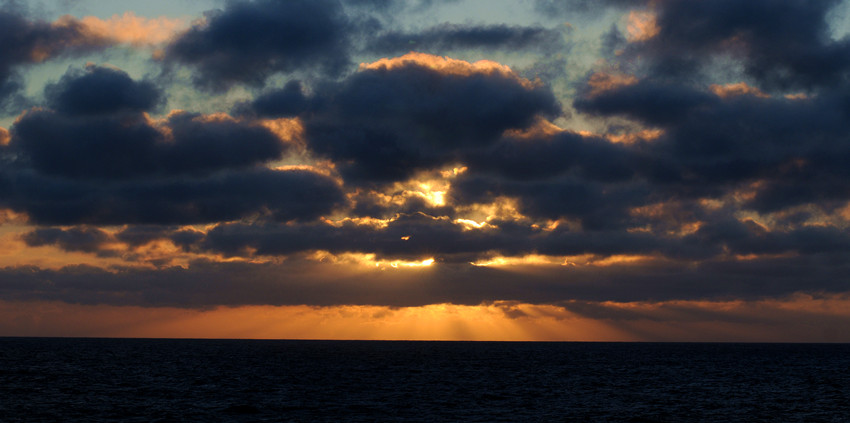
(536, 170)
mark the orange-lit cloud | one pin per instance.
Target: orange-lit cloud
(131, 29)
(368, 260)
(601, 82)
(641, 26)
(532, 260)
(633, 137)
(446, 65)
(4, 136)
(736, 89)
(541, 128)
(291, 130)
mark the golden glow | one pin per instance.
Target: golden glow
(798, 318)
(395, 264)
(433, 197)
(369, 260)
(310, 168)
(641, 26)
(448, 174)
(499, 321)
(471, 224)
(501, 208)
(131, 29)
(737, 89)
(531, 259)
(431, 187)
(572, 261)
(365, 221)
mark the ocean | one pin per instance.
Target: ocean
(164, 380)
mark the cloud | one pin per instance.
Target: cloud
(398, 116)
(97, 130)
(120, 146)
(98, 160)
(703, 156)
(84, 239)
(288, 101)
(27, 42)
(249, 41)
(717, 141)
(293, 282)
(101, 90)
(132, 29)
(781, 45)
(222, 196)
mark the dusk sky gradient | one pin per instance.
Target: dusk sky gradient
(656, 170)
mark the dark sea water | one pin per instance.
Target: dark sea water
(57, 379)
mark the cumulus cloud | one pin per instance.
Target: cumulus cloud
(782, 45)
(205, 283)
(418, 111)
(705, 158)
(25, 42)
(101, 90)
(249, 41)
(98, 159)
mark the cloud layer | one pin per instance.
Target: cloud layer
(702, 155)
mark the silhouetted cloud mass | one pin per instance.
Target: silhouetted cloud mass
(101, 90)
(249, 41)
(25, 42)
(700, 153)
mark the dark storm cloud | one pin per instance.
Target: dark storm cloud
(138, 235)
(416, 236)
(98, 160)
(597, 205)
(781, 43)
(249, 41)
(383, 125)
(97, 131)
(288, 101)
(448, 37)
(655, 103)
(93, 157)
(101, 90)
(126, 146)
(795, 148)
(24, 41)
(545, 157)
(205, 284)
(85, 239)
(222, 196)
(425, 236)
